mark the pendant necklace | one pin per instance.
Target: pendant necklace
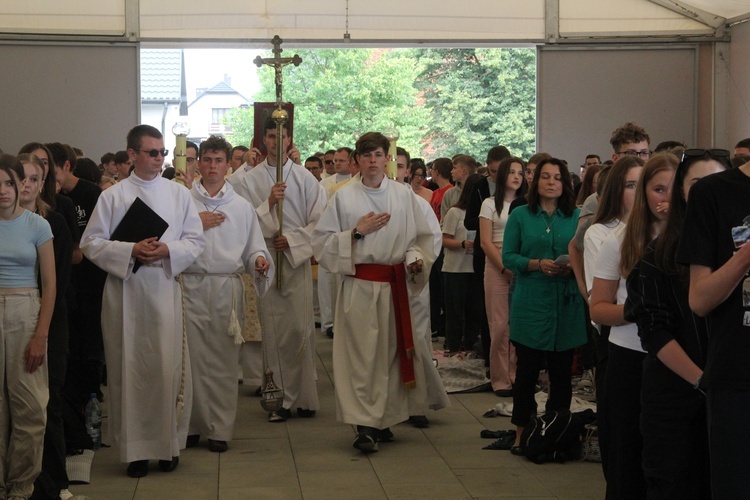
(549, 226)
(208, 209)
(282, 170)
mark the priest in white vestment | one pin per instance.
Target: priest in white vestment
(214, 295)
(287, 314)
(374, 234)
(142, 324)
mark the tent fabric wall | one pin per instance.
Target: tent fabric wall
(85, 96)
(654, 87)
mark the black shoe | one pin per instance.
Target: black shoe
(302, 412)
(419, 421)
(217, 446)
(365, 442)
(139, 468)
(517, 450)
(317, 324)
(504, 393)
(192, 440)
(384, 435)
(169, 465)
(280, 415)
(258, 392)
(329, 332)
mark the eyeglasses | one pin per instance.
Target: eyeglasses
(417, 176)
(153, 153)
(697, 153)
(645, 153)
(188, 159)
(329, 162)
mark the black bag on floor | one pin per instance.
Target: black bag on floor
(553, 437)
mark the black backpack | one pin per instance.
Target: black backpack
(553, 437)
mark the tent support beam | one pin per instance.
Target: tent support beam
(699, 15)
(551, 20)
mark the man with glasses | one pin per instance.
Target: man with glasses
(630, 139)
(149, 381)
(328, 163)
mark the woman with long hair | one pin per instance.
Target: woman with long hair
(493, 217)
(588, 185)
(673, 411)
(619, 410)
(461, 314)
(25, 314)
(54, 478)
(546, 318)
(417, 176)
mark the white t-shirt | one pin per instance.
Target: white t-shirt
(592, 243)
(456, 261)
(607, 266)
(488, 211)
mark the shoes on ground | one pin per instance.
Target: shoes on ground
(192, 440)
(258, 392)
(329, 332)
(280, 415)
(169, 465)
(304, 413)
(517, 450)
(139, 468)
(504, 393)
(317, 324)
(384, 435)
(217, 446)
(419, 421)
(366, 440)
(65, 494)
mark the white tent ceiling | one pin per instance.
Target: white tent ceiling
(253, 22)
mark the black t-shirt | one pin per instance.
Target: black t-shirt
(63, 246)
(87, 278)
(64, 207)
(718, 204)
(84, 196)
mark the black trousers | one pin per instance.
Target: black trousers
(729, 442)
(461, 311)
(675, 435)
(529, 362)
(621, 413)
(437, 313)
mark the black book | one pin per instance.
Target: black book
(140, 222)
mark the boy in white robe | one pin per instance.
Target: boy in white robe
(214, 295)
(287, 313)
(374, 234)
(148, 365)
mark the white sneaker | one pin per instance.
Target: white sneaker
(65, 494)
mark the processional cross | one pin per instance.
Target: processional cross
(280, 117)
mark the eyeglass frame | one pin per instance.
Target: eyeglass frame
(643, 154)
(153, 153)
(714, 153)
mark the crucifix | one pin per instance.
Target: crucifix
(280, 117)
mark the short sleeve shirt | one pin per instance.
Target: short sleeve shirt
(18, 253)
(456, 261)
(488, 211)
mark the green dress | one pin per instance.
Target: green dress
(547, 312)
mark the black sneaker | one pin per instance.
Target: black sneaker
(217, 446)
(365, 443)
(304, 413)
(280, 415)
(419, 421)
(384, 435)
(139, 468)
(169, 465)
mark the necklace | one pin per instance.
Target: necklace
(268, 169)
(549, 226)
(208, 209)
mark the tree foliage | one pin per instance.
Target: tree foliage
(340, 94)
(442, 101)
(478, 98)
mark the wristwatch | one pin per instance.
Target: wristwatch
(357, 235)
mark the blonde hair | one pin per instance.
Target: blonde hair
(42, 207)
(639, 229)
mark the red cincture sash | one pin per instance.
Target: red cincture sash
(396, 276)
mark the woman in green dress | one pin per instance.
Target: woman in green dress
(546, 318)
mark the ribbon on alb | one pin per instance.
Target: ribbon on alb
(396, 276)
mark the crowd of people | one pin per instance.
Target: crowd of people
(161, 284)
